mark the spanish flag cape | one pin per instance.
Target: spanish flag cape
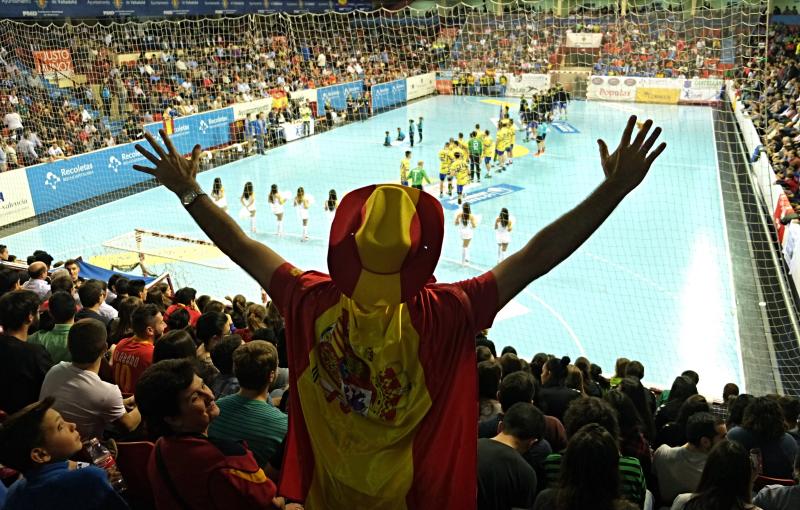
(383, 401)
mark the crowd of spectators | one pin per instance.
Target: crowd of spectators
(129, 74)
(122, 362)
(769, 92)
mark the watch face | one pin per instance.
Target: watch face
(188, 197)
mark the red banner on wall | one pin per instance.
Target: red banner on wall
(53, 62)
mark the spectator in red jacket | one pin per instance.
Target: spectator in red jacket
(187, 469)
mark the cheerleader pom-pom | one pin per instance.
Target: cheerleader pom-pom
(310, 199)
(286, 195)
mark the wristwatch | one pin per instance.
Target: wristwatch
(188, 197)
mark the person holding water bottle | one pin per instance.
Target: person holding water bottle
(38, 442)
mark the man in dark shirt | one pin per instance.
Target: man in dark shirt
(92, 295)
(505, 480)
(22, 365)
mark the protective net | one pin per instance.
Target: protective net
(690, 268)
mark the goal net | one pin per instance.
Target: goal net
(695, 265)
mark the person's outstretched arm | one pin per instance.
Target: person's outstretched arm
(178, 174)
(624, 169)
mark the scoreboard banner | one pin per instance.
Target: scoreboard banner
(160, 8)
(657, 95)
(654, 90)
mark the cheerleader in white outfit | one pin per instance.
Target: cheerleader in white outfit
(218, 194)
(276, 201)
(248, 200)
(466, 223)
(301, 204)
(330, 205)
(502, 231)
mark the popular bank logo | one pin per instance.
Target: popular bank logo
(51, 180)
(203, 126)
(114, 163)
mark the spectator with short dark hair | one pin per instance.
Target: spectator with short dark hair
(678, 468)
(9, 280)
(187, 468)
(674, 433)
(763, 427)
(520, 387)
(133, 355)
(74, 269)
(38, 442)
(137, 288)
(92, 294)
(248, 414)
(121, 291)
(179, 319)
(225, 383)
(80, 395)
(185, 299)
(23, 365)
(505, 479)
(61, 307)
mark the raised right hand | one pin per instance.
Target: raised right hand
(628, 165)
(171, 169)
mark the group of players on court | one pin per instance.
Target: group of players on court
(459, 161)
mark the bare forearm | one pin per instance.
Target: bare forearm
(255, 258)
(557, 241)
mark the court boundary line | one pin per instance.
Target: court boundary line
(731, 282)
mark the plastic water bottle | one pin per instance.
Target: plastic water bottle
(103, 459)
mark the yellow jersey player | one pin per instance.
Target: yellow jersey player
(512, 135)
(461, 142)
(501, 146)
(488, 152)
(460, 168)
(405, 166)
(445, 159)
